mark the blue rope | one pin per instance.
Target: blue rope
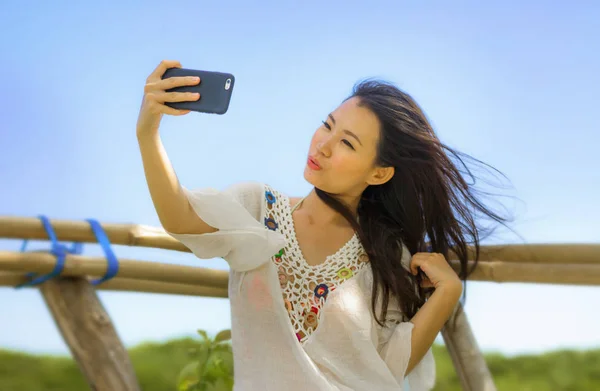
(60, 251)
(113, 263)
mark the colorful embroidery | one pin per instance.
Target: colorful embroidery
(279, 255)
(283, 277)
(345, 273)
(271, 224)
(270, 198)
(321, 291)
(305, 288)
(311, 320)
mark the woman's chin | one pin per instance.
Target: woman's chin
(316, 182)
(310, 177)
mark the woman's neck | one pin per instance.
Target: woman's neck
(319, 213)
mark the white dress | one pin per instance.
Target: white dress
(297, 326)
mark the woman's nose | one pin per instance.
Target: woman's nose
(324, 147)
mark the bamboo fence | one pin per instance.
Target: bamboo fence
(96, 347)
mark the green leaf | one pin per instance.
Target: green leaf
(223, 335)
(214, 365)
(203, 335)
(222, 347)
(203, 355)
(224, 358)
(188, 377)
(220, 362)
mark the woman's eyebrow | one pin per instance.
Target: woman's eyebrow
(346, 130)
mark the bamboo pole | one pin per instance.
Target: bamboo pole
(548, 253)
(470, 365)
(80, 231)
(12, 279)
(146, 236)
(90, 334)
(566, 274)
(78, 265)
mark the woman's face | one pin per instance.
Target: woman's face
(343, 151)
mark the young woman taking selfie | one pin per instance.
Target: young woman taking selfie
(334, 290)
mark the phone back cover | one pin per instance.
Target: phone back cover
(214, 97)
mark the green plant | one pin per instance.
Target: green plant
(212, 368)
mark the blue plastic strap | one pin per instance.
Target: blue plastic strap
(113, 264)
(24, 245)
(77, 248)
(59, 250)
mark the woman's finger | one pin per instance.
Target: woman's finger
(172, 111)
(171, 82)
(415, 262)
(162, 68)
(177, 96)
(156, 105)
(178, 81)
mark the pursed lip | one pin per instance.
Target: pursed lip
(314, 161)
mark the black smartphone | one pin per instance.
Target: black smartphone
(215, 90)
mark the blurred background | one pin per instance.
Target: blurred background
(514, 84)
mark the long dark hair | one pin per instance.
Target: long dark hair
(427, 205)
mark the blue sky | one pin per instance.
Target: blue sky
(511, 84)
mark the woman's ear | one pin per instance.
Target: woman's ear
(381, 175)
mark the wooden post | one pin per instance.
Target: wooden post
(88, 330)
(468, 360)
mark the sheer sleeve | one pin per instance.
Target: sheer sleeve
(396, 351)
(395, 347)
(242, 240)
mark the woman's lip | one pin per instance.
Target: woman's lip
(313, 164)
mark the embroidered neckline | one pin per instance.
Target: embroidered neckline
(304, 287)
(296, 245)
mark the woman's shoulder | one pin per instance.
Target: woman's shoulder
(294, 200)
(273, 194)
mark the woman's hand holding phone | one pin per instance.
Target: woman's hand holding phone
(155, 96)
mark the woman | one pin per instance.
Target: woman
(332, 291)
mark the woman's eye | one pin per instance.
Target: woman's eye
(328, 127)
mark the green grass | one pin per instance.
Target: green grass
(157, 366)
(564, 370)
